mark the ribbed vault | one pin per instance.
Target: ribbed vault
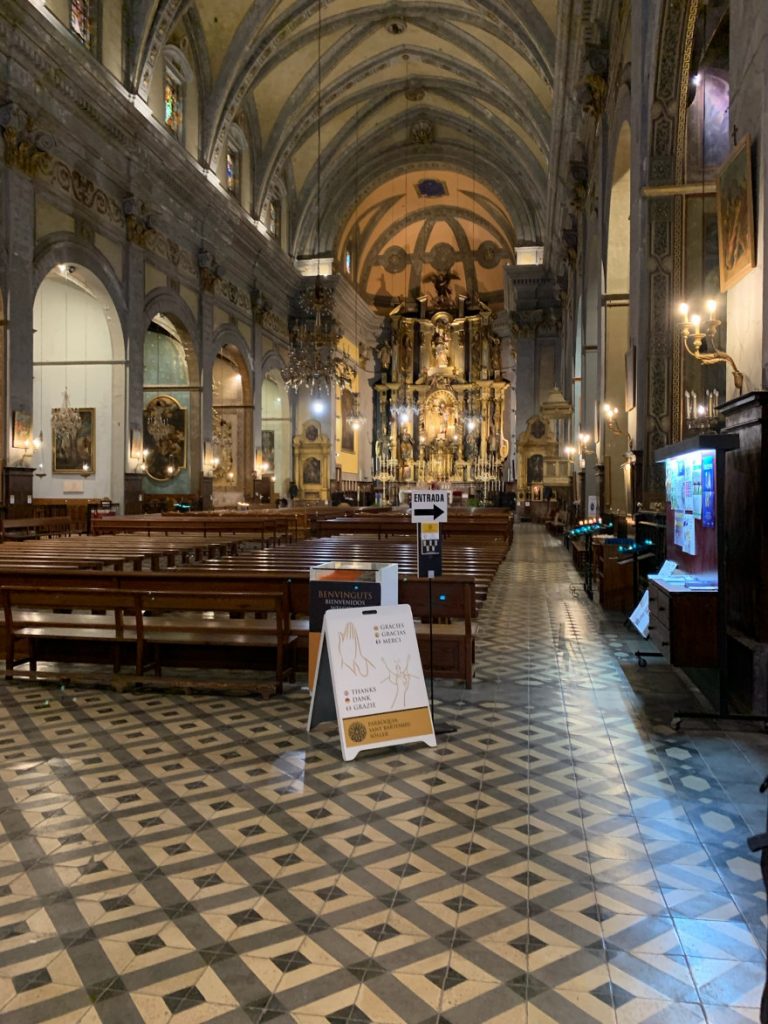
(350, 103)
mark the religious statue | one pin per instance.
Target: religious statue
(441, 346)
(385, 358)
(495, 346)
(442, 282)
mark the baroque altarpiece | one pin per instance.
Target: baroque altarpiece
(440, 398)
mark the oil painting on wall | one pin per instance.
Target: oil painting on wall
(165, 437)
(735, 218)
(74, 444)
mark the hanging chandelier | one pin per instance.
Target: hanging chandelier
(315, 361)
(65, 423)
(402, 408)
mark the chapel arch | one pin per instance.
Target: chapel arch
(78, 360)
(276, 432)
(171, 434)
(230, 460)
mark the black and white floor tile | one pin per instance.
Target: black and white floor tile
(564, 857)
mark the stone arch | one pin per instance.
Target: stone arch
(77, 326)
(169, 312)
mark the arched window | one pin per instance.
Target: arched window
(274, 212)
(233, 162)
(81, 20)
(177, 73)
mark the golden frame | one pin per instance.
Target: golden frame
(735, 215)
(72, 452)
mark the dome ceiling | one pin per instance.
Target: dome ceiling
(457, 94)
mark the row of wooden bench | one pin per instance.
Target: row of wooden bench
(185, 615)
(32, 528)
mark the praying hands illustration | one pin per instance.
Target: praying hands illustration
(352, 658)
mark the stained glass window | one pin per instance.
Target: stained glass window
(173, 104)
(80, 20)
(348, 260)
(233, 170)
(273, 218)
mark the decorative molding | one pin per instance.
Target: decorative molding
(235, 296)
(80, 188)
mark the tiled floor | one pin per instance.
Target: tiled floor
(562, 858)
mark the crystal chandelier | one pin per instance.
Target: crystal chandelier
(315, 361)
(65, 423)
(356, 420)
(402, 409)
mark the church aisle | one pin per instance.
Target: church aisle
(563, 858)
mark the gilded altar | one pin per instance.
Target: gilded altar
(440, 399)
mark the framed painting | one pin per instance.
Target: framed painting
(165, 437)
(22, 430)
(74, 448)
(735, 217)
(347, 433)
(268, 449)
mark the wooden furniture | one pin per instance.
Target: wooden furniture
(683, 624)
(193, 628)
(746, 534)
(448, 604)
(81, 623)
(612, 574)
(38, 526)
(85, 620)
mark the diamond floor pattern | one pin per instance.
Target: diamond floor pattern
(563, 858)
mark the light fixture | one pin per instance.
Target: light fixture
(315, 360)
(611, 412)
(694, 333)
(578, 452)
(318, 406)
(65, 423)
(356, 420)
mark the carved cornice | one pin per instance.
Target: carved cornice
(84, 191)
(27, 147)
(542, 320)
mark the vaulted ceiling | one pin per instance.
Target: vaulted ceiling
(359, 102)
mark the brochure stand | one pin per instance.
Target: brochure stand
(699, 546)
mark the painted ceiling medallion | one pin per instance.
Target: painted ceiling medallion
(443, 256)
(431, 188)
(422, 132)
(395, 259)
(488, 256)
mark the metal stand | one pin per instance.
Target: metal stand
(441, 728)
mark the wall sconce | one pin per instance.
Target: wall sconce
(86, 470)
(580, 451)
(694, 332)
(611, 412)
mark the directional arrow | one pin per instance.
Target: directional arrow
(435, 512)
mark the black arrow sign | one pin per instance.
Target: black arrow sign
(435, 512)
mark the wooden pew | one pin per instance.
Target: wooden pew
(193, 625)
(37, 526)
(79, 623)
(83, 620)
(447, 604)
